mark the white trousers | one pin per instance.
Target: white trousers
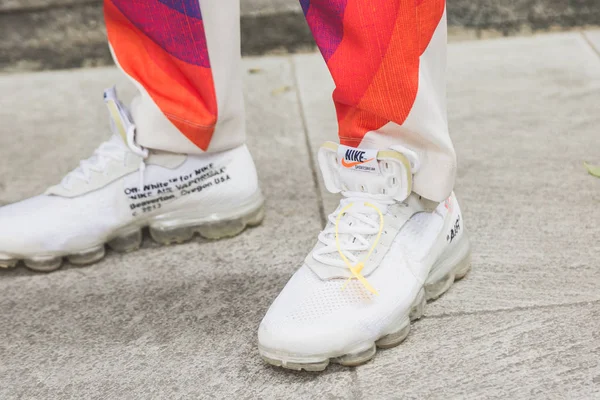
(387, 59)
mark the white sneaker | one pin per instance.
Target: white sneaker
(124, 188)
(411, 251)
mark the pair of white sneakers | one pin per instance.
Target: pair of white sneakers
(384, 252)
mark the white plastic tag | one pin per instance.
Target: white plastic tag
(364, 160)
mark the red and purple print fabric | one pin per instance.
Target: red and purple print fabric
(372, 49)
(162, 45)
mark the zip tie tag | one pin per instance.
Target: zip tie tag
(357, 269)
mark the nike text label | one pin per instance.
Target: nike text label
(355, 155)
(364, 160)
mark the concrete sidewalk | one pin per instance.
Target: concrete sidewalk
(180, 321)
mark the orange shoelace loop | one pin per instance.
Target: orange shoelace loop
(357, 269)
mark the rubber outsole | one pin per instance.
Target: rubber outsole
(430, 292)
(131, 240)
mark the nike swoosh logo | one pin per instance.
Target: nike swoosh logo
(352, 164)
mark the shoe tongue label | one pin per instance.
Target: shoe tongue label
(354, 159)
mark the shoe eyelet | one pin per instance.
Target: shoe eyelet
(392, 182)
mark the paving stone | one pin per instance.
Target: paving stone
(543, 353)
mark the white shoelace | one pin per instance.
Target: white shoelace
(356, 229)
(113, 149)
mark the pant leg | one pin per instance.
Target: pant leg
(184, 57)
(388, 62)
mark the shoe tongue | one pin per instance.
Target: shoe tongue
(121, 121)
(374, 172)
